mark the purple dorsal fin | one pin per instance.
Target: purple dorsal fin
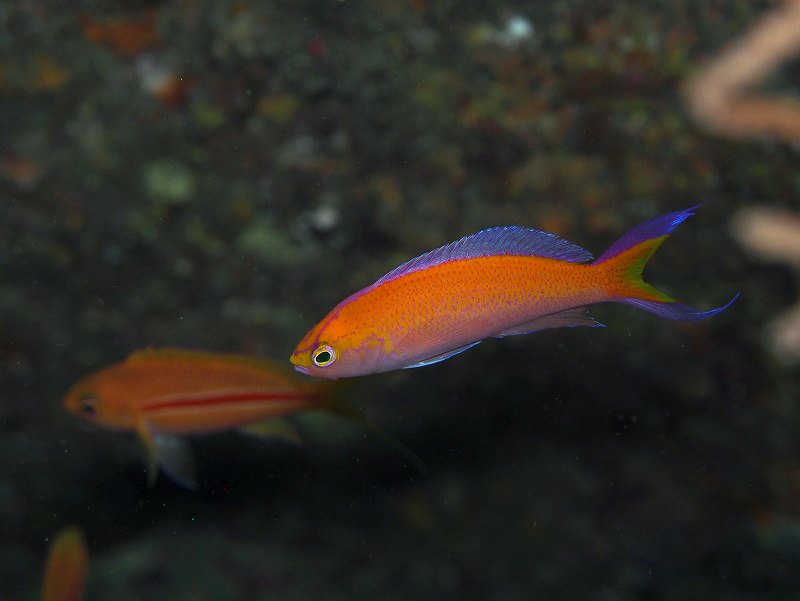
(507, 240)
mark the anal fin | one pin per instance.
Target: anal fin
(576, 316)
(176, 460)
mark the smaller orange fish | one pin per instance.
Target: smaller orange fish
(164, 393)
(66, 567)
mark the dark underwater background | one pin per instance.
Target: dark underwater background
(218, 175)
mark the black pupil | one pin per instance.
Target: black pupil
(87, 406)
(323, 357)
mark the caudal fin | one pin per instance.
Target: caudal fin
(627, 257)
(332, 399)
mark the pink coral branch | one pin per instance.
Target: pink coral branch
(721, 99)
(719, 95)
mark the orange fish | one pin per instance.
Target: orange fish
(66, 567)
(499, 282)
(163, 393)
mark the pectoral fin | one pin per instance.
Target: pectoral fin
(441, 356)
(170, 453)
(577, 316)
(152, 452)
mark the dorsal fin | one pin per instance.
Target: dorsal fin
(504, 240)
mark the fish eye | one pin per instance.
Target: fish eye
(87, 405)
(323, 356)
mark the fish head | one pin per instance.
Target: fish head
(336, 348)
(97, 400)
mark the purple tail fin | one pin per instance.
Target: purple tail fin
(677, 311)
(652, 228)
(627, 257)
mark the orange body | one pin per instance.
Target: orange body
(494, 292)
(428, 312)
(182, 392)
(162, 394)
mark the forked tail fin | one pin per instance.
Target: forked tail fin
(627, 257)
(332, 398)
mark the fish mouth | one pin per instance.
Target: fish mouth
(303, 370)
